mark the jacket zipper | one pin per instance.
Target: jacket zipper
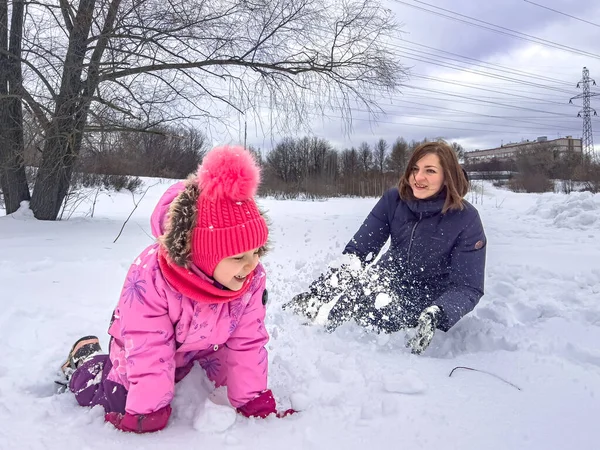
(412, 236)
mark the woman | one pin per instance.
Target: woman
(433, 273)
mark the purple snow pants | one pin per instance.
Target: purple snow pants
(91, 388)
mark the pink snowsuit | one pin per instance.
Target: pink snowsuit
(158, 333)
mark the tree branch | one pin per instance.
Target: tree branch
(32, 67)
(281, 67)
(36, 108)
(66, 11)
(133, 210)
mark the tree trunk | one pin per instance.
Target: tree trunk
(13, 180)
(12, 167)
(62, 142)
(16, 168)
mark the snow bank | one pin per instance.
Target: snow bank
(23, 213)
(577, 211)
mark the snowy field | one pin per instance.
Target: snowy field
(537, 327)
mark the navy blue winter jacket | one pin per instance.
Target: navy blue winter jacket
(440, 254)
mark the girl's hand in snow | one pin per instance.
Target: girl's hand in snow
(262, 406)
(140, 423)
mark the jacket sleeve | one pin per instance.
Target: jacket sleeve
(148, 338)
(375, 230)
(467, 274)
(247, 358)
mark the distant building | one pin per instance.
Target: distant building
(508, 151)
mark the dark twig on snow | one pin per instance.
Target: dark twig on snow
(133, 210)
(145, 232)
(487, 373)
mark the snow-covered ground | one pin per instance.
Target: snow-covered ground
(538, 327)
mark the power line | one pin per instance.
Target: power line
(517, 34)
(467, 85)
(477, 100)
(481, 123)
(422, 56)
(492, 65)
(386, 113)
(485, 101)
(564, 14)
(498, 29)
(458, 99)
(418, 57)
(505, 99)
(417, 125)
(525, 83)
(508, 118)
(392, 112)
(416, 54)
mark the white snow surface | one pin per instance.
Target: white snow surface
(537, 327)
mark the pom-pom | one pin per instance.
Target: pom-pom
(229, 172)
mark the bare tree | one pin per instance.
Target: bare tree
(399, 156)
(307, 165)
(459, 150)
(282, 161)
(318, 151)
(379, 155)
(257, 153)
(153, 61)
(414, 144)
(365, 158)
(539, 158)
(332, 166)
(350, 165)
(535, 165)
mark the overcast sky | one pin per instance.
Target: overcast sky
(525, 98)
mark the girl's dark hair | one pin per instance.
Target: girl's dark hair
(455, 179)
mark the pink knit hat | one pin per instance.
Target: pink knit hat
(228, 221)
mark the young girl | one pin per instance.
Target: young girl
(198, 294)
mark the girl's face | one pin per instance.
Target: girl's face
(427, 177)
(232, 272)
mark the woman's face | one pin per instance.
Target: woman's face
(427, 177)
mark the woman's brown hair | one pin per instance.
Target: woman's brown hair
(455, 179)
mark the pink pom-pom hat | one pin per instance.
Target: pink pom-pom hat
(228, 221)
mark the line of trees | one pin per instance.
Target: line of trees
(163, 151)
(168, 152)
(312, 166)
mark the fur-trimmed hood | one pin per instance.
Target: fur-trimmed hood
(158, 220)
(174, 218)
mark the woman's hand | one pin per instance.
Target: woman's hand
(428, 322)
